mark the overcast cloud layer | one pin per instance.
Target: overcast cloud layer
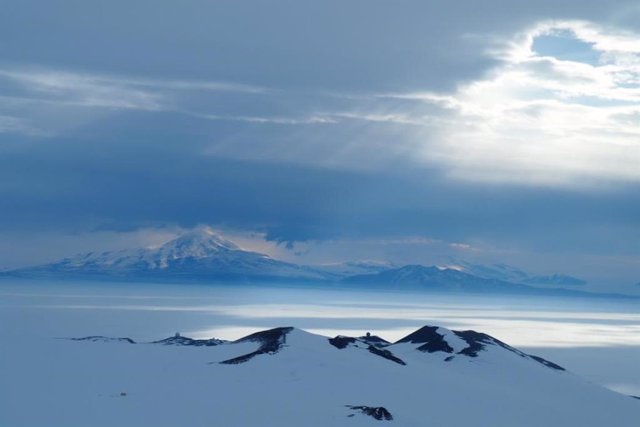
(494, 130)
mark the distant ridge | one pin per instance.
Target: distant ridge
(437, 279)
(507, 273)
(203, 256)
(449, 280)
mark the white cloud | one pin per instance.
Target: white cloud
(9, 124)
(545, 120)
(43, 88)
(536, 119)
(314, 119)
(65, 88)
(45, 102)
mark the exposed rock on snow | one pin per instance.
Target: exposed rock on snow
(100, 338)
(430, 339)
(386, 354)
(340, 342)
(379, 413)
(174, 340)
(546, 363)
(478, 341)
(434, 339)
(374, 340)
(180, 340)
(270, 343)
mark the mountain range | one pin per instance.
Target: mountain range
(204, 256)
(507, 273)
(288, 377)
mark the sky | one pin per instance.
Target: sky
(410, 131)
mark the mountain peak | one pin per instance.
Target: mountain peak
(200, 242)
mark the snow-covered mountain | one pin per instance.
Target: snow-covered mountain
(555, 279)
(507, 273)
(203, 256)
(435, 279)
(287, 377)
(351, 268)
(454, 280)
(197, 255)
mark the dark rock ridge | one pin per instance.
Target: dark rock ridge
(174, 340)
(546, 363)
(340, 342)
(386, 354)
(477, 342)
(270, 343)
(100, 338)
(380, 413)
(428, 339)
(180, 340)
(374, 340)
(432, 342)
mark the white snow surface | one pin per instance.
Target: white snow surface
(307, 382)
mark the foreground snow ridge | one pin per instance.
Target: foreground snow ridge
(289, 377)
(430, 339)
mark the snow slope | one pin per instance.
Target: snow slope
(288, 377)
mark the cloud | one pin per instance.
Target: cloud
(10, 124)
(273, 120)
(542, 120)
(67, 88)
(89, 86)
(532, 119)
(50, 101)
